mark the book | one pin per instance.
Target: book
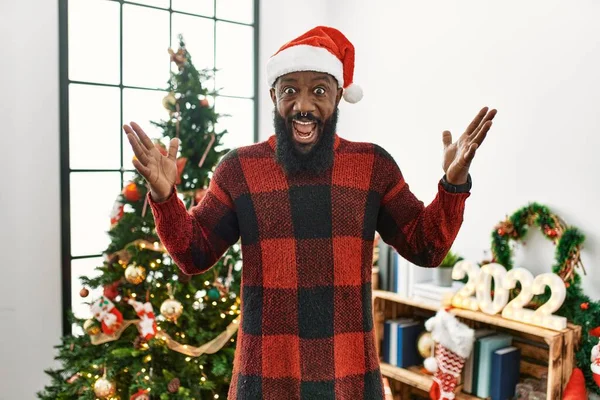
(506, 367)
(468, 370)
(487, 346)
(389, 349)
(408, 333)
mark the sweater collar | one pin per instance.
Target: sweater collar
(273, 141)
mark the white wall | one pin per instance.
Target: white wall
(430, 66)
(280, 22)
(30, 301)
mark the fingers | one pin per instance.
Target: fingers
(470, 153)
(173, 146)
(145, 171)
(446, 138)
(142, 136)
(476, 121)
(490, 116)
(480, 136)
(138, 149)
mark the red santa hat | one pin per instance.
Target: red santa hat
(321, 49)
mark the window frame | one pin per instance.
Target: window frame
(65, 168)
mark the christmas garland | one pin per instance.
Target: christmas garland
(577, 307)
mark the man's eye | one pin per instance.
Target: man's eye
(319, 91)
(289, 90)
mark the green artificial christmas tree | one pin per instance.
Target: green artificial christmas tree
(157, 333)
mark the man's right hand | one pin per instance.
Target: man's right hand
(159, 171)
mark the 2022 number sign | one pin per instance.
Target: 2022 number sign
(479, 282)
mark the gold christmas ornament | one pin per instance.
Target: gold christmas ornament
(91, 327)
(425, 344)
(104, 388)
(135, 274)
(171, 309)
(169, 101)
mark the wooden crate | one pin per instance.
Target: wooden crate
(543, 351)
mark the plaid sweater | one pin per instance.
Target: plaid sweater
(306, 329)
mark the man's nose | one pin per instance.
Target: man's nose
(304, 104)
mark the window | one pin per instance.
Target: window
(114, 69)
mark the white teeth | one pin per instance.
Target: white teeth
(304, 122)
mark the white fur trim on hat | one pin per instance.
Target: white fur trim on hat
(448, 331)
(353, 93)
(304, 58)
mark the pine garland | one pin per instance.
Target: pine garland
(577, 307)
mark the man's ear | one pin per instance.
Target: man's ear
(338, 98)
(273, 96)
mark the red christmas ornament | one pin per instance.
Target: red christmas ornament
(131, 192)
(585, 306)
(84, 292)
(501, 231)
(204, 102)
(111, 291)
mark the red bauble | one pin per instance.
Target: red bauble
(585, 306)
(204, 103)
(131, 192)
(112, 290)
(84, 292)
(501, 231)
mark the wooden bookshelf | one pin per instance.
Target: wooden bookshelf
(543, 351)
(415, 379)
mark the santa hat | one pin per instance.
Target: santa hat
(321, 49)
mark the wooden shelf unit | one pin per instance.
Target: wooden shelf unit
(542, 350)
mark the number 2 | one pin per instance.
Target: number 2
(464, 297)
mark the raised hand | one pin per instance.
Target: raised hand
(458, 155)
(159, 171)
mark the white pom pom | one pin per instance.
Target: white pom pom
(353, 93)
(430, 365)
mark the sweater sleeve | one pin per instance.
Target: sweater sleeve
(421, 234)
(197, 239)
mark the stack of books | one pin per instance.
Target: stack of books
(399, 347)
(492, 370)
(430, 293)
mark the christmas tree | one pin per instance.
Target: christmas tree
(156, 332)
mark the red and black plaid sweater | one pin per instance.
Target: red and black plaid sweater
(306, 328)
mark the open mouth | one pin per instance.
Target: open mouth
(305, 132)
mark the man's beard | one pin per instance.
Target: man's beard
(320, 156)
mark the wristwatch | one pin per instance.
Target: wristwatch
(464, 188)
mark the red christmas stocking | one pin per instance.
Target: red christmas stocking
(448, 372)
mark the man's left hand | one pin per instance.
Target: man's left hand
(458, 155)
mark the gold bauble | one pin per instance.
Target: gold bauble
(425, 344)
(104, 388)
(169, 101)
(171, 309)
(135, 274)
(91, 327)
